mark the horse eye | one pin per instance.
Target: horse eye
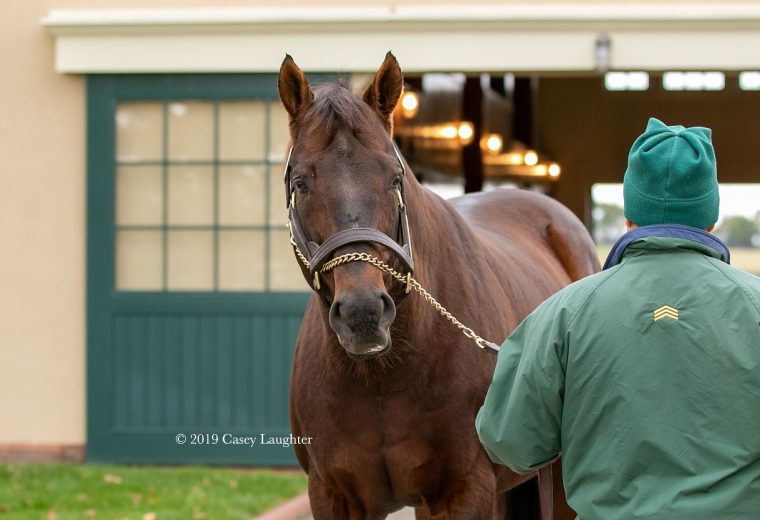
(300, 185)
(396, 182)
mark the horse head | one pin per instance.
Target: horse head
(344, 173)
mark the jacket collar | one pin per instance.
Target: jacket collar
(699, 238)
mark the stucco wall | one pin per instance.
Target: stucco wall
(42, 237)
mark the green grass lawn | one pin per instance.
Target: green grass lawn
(66, 491)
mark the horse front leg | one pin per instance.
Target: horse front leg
(330, 504)
(473, 497)
(500, 514)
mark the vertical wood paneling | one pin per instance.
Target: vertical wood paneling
(173, 398)
(202, 372)
(189, 371)
(207, 354)
(224, 373)
(277, 394)
(242, 372)
(257, 374)
(120, 373)
(155, 370)
(136, 346)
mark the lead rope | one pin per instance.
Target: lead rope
(410, 284)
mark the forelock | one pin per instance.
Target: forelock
(336, 108)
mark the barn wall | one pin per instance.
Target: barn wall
(589, 130)
(42, 215)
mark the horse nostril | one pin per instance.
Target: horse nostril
(335, 309)
(389, 308)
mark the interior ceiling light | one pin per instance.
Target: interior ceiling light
(626, 80)
(530, 158)
(492, 143)
(410, 104)
(465, 132)
(694, 81)
(749, 80)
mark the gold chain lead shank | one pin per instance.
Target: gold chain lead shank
(411, 284)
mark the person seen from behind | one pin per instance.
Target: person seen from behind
(646, 376)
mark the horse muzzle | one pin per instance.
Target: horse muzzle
(362, 324)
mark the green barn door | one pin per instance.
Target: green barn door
(194, 297)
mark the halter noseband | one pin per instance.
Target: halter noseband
(315, 256)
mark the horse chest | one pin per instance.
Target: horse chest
(393, 444)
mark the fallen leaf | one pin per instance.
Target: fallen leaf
(52, 515)
(149, 516)
(206, 482)
(234, 484)
(200, 515)
(90, 513)
(112, 479)
(136, 498)
(81, 497)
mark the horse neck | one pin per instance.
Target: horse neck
(444, 246)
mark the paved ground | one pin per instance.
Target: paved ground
(404, 514)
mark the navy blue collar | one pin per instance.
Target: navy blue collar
(667, 231)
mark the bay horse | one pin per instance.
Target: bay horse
(385, 387)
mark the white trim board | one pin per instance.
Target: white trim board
(520, 38)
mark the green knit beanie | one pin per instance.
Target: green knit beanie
(671, 177)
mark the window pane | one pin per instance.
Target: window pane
(139, 131)
(241, 195)
(278, 214)
(284, 273)
(191, 195)
(190, 260)
(241, 130)
(191, 130)
(241, 261)
(279, 132)
(138, 260)
(138, 195)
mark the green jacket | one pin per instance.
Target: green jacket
(655, 410)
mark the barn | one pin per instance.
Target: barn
(150, 289)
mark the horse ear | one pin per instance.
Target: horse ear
(295, 92)
(385, 90)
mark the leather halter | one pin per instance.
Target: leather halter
(318, 254)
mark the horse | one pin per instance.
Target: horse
(385, 387)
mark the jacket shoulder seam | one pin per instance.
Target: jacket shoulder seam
(593, 290)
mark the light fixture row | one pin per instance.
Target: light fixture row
(675, 80)
(464, 131)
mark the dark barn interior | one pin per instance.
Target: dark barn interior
(579, 124)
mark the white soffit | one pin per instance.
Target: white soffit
(551, 38)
